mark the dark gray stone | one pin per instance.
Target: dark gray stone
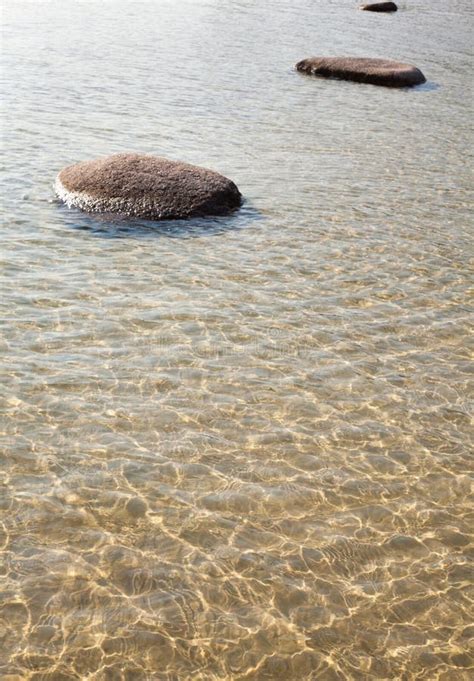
(146, 186)
(380, 7)
(363, 70)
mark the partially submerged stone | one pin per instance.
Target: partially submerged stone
(363, 70)
(146, 186)
(380, 7)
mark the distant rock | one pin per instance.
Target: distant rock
(363, 70)
(146, 186)
(380, 7)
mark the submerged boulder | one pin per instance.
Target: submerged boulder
(363, 70)
(380, 7)
(146, 186)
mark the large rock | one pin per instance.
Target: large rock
(380, 7)
(146, 186)
(362, 70)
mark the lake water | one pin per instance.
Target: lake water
(237, 448)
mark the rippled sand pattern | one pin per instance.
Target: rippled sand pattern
(238, 449)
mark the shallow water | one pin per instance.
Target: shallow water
(237, 448)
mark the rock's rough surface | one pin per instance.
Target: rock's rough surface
(380, 7)
(146, 186)
(363, 70)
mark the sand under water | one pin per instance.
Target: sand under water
(237, 448)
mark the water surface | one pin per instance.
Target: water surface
(237, 448)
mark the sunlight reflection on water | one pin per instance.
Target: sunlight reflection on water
(237, 448)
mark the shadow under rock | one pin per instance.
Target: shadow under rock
(429, 86)
(114, 226)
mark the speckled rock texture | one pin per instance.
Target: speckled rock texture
(363, 70)
(146, 186)
(380, 7)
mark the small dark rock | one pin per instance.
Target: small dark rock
(380, 7)
(363, 70)
(147, 187)
(136, 507)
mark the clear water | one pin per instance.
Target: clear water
(237, 448)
